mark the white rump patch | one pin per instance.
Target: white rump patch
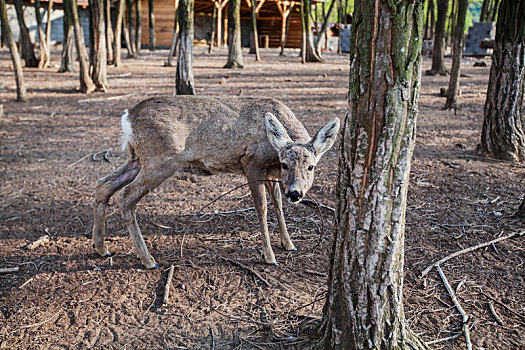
(126, 130)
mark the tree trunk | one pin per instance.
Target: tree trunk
(484, 11)
(175, 39)
(117, 49)
(254, 30)
(502, 135)
(67, 63)
(138, 27)
(132, 51)
(287, 26)
(44, 49)
(48, 26)
(494, 10)
(15, 56)
(438, 49)
(151, 26)
(184, 75)
(457, 55)
(98, 54)
(235, 58)
(86, 83)
(308, 53)
(110, 37)
(25, 40)
(324, 27)
(364, 305)
(213, 28)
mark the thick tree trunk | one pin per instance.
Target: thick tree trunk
(235, 58)
(253, 16)
(308, 52)
(67, 63)
(44, 49)
(364, 306)
(324, 27)
(15, 56)
(138, 26)
(98, 54)
(110, 37)
(457, 55)
(117, 49)
(86, 83)
(151, 18)
(438, 49)
(25, 40)
(503, 136)
(184, 75)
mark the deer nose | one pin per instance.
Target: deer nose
(294, 196)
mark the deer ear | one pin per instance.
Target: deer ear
(324, 139)
(276, 133)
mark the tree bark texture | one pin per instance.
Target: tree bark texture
(25, 40)
(253, 18)
(308, 53)
(110, 36)
(364, 305)
(45, 53)
(98, 54)
(502, 135)
(86, 83)
(67, 63)
(151, 23)
(21, 94)
(457, 55)
(235, 58)
(438, 49)
(117, 48)
(132, 52)
(138, 26)
(184, 76)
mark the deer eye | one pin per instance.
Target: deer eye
(284, 166)
(311, 167)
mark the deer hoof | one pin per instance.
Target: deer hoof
(292, 249)
(274, 263)
(156, 266)
(102, 251)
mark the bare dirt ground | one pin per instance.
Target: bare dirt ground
(66, 297)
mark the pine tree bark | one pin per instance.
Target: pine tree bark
(21, 94)
(457, 55)
(86, 83)
(151, 18)
(503, 135)
(98, 53)
(45, 53)
(184, 76)
(117, 47)
(235, 58)
(308, 53)
(28, 52)
(364, 305)
(438, 49)
(67, 63)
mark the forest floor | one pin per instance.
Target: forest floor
(66, 297)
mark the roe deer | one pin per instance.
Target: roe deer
(259, 138)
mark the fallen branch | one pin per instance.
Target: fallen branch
(464, 315)
(493, 312)
(221, 212)
(452, 337)
(81, 159)
(168, 285)
(466, 250)
(39, 242)
(4, 270)
(252, 271)
(312, 204)
(502, 304)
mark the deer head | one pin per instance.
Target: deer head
(298, 160)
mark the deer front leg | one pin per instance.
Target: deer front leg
(275, 195)
(259, 201)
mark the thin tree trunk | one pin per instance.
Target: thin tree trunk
(117, 49)
(28, 52)
(494, 10)
(131, 29)
(484, 11)
(151, 26)
(138, 26)
(86, 83)
(254, 30)
(324, 27)
(48, 26)
(438, 49)
(457, 55)
(184, 75)
(235, 58)
(503, 134)
(110, 37)
(98, 54)
(21, 94)
(213, 27)
(126, 29)
(44, 49)
(452, 23)
(67, 63)
(287, 27)
(364, 305)
(175, 40)
(308, 52)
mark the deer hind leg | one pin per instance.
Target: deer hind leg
(106, 187)
(130, 195)
(275, 195)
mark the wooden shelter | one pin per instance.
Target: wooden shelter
(271, 22)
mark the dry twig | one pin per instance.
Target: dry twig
(467, 250)
(464, 315)
(452, 337)
(493, 312)
(39, 242)
(4, 270)
(502, 304)
(252, 271)
(168, 285)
